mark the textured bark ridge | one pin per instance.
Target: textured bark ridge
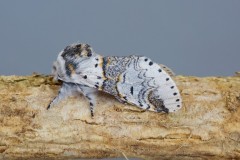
(208, 125)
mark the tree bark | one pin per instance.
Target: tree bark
(207, 127)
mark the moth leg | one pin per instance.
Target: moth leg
(65, 91)
(90, 94)
(92, 103)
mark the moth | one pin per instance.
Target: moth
(133, 79)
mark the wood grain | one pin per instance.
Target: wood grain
(207, 127)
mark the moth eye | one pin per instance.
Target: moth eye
(89, 54)
(54, 68)
(78, 45)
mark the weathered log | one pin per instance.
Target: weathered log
(208, 125)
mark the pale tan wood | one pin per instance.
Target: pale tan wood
(207, 127)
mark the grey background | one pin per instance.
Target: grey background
(199, 38)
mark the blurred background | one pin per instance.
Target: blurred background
(200, 38)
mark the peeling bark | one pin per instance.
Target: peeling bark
(208, 125)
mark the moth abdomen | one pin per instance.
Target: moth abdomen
(157, 103)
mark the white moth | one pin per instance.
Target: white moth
(132, 79)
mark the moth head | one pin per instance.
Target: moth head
(78, 50)
(71, 59)
(55, 70)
